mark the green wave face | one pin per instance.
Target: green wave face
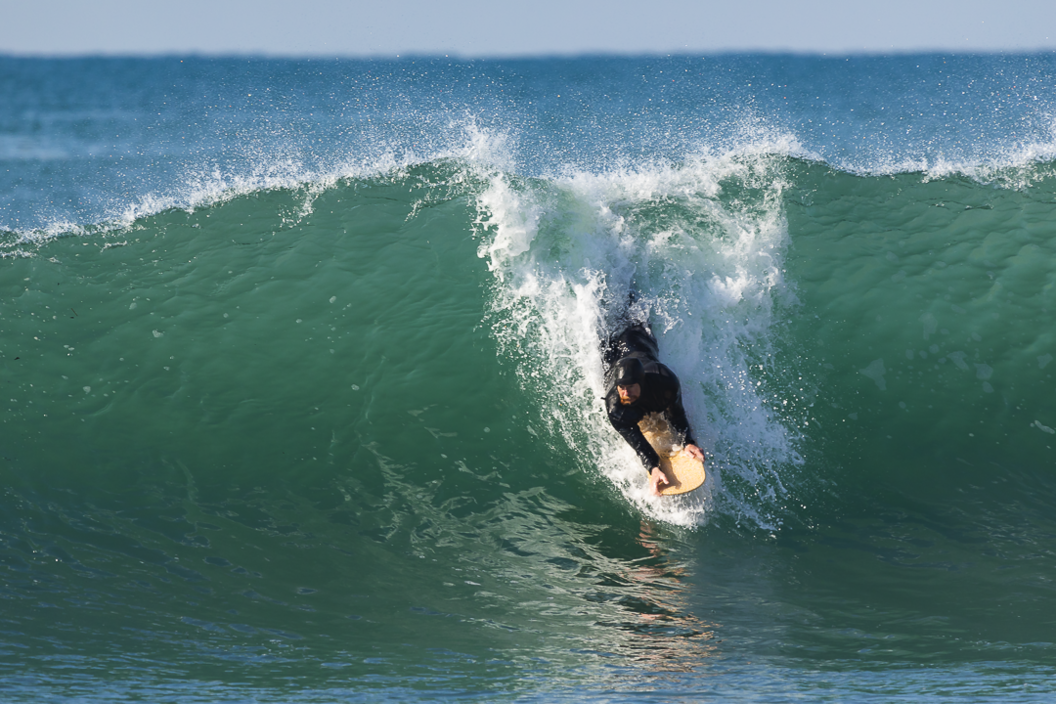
(351, 431)
(924, 308)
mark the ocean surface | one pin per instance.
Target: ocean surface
(301, 379)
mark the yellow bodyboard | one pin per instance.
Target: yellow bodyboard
(685, 473)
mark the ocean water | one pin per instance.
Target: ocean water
(301, 379)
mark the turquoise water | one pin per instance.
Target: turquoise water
(302, 395)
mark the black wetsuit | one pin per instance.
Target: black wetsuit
(661, 392)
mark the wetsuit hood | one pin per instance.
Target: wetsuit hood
(628, 371)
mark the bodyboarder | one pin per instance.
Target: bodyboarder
(637, 384)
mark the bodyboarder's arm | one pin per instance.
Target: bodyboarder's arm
(634, 437)
(626, 424)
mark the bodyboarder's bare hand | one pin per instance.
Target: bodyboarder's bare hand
(656, 479)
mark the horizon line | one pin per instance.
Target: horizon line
(468, 57)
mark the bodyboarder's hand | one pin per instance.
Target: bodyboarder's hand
(695, 452)
(657, 478)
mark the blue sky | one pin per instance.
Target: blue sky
(474, 28)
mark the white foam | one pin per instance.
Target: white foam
(564, 253)
(272, 169)
(1011, 165)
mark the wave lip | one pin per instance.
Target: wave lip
(131, 132)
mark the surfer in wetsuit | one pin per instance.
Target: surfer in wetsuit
(637, 384)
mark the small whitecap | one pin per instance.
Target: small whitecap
(87, 389)
(298, 320)
(333, 298)
(355, 387)
(158, 334)
(132, 306)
